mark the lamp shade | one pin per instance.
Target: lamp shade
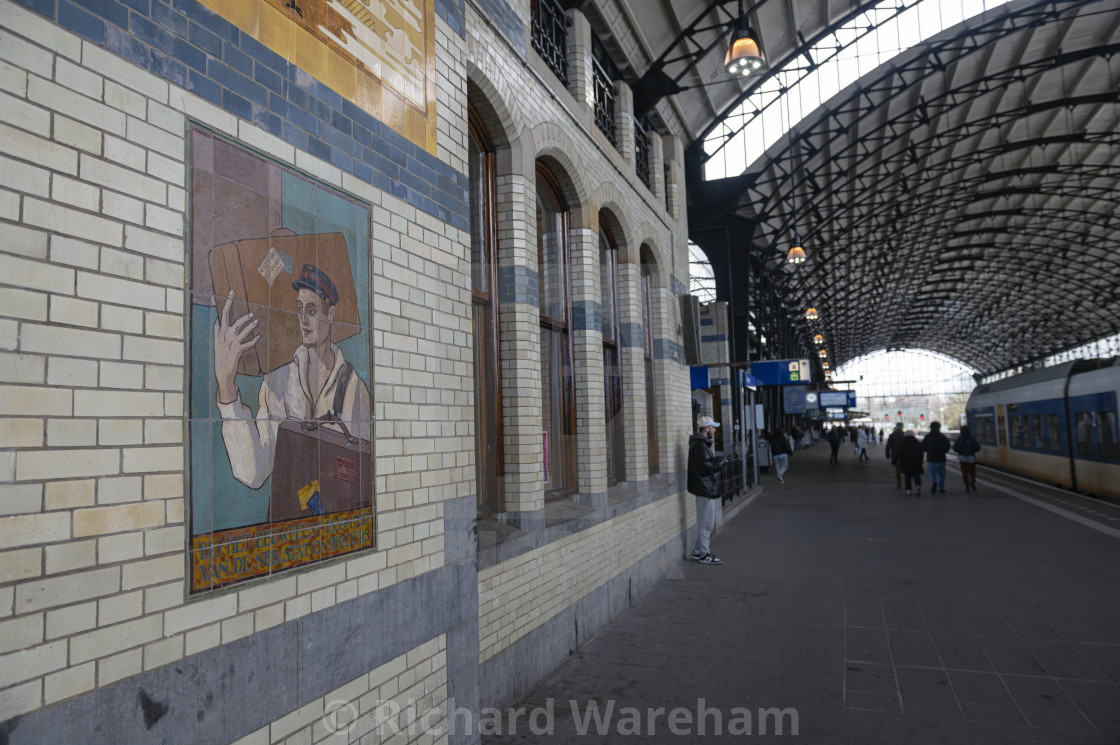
(823, 353)
(744, 53)
(796, 255)
(811, 314)
(818, 339)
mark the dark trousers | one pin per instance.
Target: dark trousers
(915, 479)
(968, 473)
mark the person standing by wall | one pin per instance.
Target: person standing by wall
(966, 447)
(894, 453)
(936, 445)
(910, 459)
(704, 483)
(780, 451)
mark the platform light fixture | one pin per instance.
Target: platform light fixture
(796, 253)
(811, 314)
(823, 353)
(818, 339)
(744, 54)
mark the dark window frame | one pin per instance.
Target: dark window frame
(563, 326)
(647, 268)
(491, 499)
(612, 359)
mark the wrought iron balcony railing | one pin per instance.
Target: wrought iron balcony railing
(550, 36)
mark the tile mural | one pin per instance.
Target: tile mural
(281, 470)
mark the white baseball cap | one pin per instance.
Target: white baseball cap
(706, 421)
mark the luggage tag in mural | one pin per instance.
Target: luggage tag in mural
(274, 263)
(309, 498)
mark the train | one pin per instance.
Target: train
(1056, 424)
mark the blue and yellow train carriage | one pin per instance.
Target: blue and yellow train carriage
(1058, 424)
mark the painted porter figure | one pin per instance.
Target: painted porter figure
(317, 384)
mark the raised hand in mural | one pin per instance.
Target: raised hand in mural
(231, 340)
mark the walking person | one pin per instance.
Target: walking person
(704, 483)
(779, 450)
(893, 451)
(834, 443)
(966, 447)
(861, 444)
(910, 460)
(936, 445)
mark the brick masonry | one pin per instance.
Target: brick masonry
(95, 99)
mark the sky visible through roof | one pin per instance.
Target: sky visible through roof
(842, 57)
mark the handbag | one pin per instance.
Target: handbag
(319, 469)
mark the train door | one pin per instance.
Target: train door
(1001, 435)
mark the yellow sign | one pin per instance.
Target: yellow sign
(378, 54)
(229, 556)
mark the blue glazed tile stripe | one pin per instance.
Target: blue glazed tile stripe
(631, 334)
(517, 284)
(451, 11)
(506, 20)
(186, 44)
(668, 349)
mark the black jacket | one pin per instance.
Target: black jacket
(966, 445)
(910, 455)
(703, 468)
(936, 445)
(894, 445)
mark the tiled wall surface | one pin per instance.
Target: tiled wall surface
(95, 101)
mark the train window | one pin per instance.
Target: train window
(1055, 437)
(1001, 430)
(1039, 433)
(1019, 431)
(1109, 448)
(1084, 422)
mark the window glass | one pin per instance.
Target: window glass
(1055, 434)
(1001, 430)
(1016, 431)
(557, 384)
(480, 198)
(487, 386)
(1109, 447)
(608, 286)
(648, 268)
(1084, 425)
(612, 372)
(1039, 434)
(550, 254)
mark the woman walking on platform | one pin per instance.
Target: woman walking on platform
(779, 450)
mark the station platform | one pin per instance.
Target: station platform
(851, 614)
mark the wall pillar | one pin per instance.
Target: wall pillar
(587, 347)
(519, 345)
(632, 352)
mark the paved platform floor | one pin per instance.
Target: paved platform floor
(879, 618)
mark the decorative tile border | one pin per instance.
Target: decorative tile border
(191, 47)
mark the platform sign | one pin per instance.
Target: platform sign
(782, 372)
(851, 399)
(701, 380)
(833, 399)
(747, 380)
(793, 399)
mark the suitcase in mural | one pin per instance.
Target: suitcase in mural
(260, 271)
(320, 466)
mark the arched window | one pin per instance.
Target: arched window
(612, 367)
(649, 269)
(484, 290)
(557, 384)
